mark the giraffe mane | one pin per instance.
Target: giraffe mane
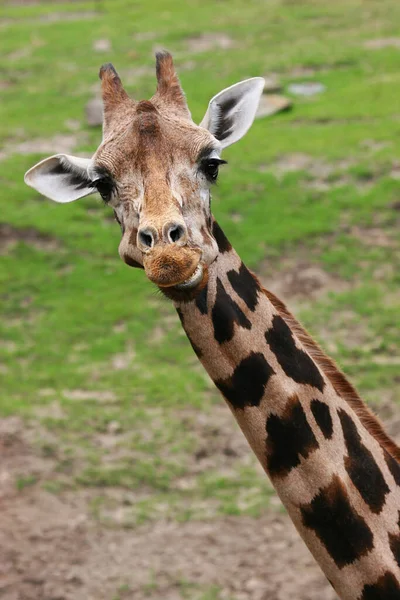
(341, 385)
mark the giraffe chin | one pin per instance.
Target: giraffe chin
(188, 290)
(174, 266)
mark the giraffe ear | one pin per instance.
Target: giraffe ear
(61, 178)
(231, 113)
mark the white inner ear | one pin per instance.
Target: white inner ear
(61, 178)
(231, 113)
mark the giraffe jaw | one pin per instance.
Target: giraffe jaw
(192, 281)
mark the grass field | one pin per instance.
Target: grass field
(98, 380)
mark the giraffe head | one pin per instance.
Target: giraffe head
(154, 168)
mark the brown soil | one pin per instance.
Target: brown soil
(299, 279)
(208, 41)
(52, 549)
(58, 143)
(10, 236)
(379, 43)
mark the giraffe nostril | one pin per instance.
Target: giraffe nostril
(175, 233)
(146, 238)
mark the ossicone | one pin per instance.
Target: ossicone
(113, 94)
(169, 91)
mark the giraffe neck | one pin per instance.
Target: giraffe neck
(326, 455)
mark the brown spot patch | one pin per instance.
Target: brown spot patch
(221, 239)
(394, 541)
(358, 462)
(246, 386)
(342, 386)
(289, 437)
(225, 315)
(343, 532)
(386, 588)
(131, 262)
(322, 416)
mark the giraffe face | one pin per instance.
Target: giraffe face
(156, 174)
(155, 168)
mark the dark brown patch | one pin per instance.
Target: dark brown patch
(386, 588)
(133, 237)
(225, 314)
(131, 262)
(145, 106)
(245, 285)
(247, 384)
(196, 349)
(393, 466)
(219, 236)
(206, 236)
(337, 379)
(148, 125)
(322, 417)
(394, 541)
(295, 362)
(361, 466)
(343, 532)
(289, 436)
(201, 301)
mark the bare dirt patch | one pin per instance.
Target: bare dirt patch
(38, 2)
(51, 17)
(375, 236)
(379, 43)
(299, 279)
(10, 236)
(19, 462)
(51, 549)
(209, 41)
(218, 442)
(58, 143)
(297, 161)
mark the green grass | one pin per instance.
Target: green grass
(70, 313)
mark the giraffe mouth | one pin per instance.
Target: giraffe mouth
(173, 266)
(192, 281)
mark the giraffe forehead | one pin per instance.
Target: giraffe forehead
(151, 143)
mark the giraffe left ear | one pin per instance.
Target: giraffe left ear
(61, 178)
(231, 113)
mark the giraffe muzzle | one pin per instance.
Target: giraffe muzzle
(171, 265)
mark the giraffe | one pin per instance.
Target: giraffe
(328, 457)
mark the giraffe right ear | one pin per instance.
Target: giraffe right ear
(231, 113)
(61, 178)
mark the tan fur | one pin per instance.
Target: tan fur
(170, 266)
(169, 92)
(325, 466)
(342, 386)
(115, 99)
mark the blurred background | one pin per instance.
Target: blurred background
(123, 474)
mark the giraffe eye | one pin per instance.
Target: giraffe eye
(105, 188)
(210, 168)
